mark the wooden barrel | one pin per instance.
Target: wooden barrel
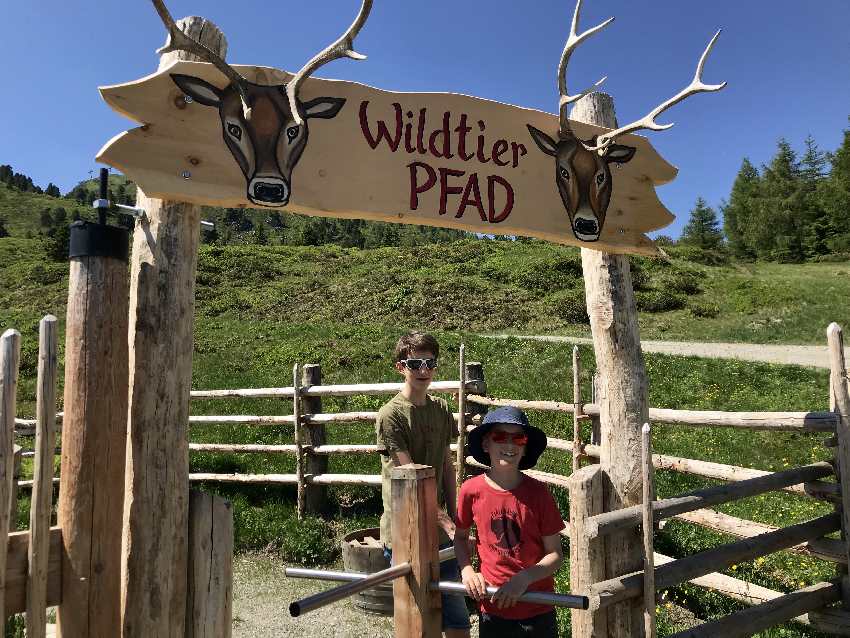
(363, 552)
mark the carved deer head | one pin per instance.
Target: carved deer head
(265, 127)
(582, 170)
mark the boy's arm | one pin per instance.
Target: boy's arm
(450, 491)
(508, 594)
(472, 580)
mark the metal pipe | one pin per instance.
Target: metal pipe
(541, 598)
(349, 589)
(558, 600)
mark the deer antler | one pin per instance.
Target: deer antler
(342, 48)
(179, 41)
(572, 42)
(648, 121)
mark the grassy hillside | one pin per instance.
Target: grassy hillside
(261, 308)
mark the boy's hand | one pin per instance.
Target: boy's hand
(474, 582)
(508, 594)
(446, 523)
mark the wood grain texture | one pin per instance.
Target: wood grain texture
(10, 358)
(17, 569)
(156, 508)
(414, 498)
(94, 440)
(623, 399)
(838, 385)
(315, 437)
(587, 553)
(209, 601)
(41, 506)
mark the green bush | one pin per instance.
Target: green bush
(658, 300)
(680, 280)
(307, 542)
(699, 255)
(704, 309)
(570, 305)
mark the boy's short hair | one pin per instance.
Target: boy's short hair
(413, 341)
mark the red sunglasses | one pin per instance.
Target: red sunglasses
(519, 438)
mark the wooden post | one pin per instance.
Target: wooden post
(42, 484)
(648, 530)
(315, 496)
(209, 600)
(477, 385)
(299, 447)
(595, 429)
(577, 411)
(623, 402)
(10, 358)
(838, 383)
(460, 468)
(587, 560)
(156, 511)
(13, 497)
(414, 499)
(94, 441)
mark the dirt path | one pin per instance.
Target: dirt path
(261, 597)
(814, 356)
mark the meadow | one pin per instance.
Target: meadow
(262, 308)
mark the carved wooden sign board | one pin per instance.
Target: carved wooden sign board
(260, 137)
(421, 158)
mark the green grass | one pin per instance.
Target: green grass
(261, 309)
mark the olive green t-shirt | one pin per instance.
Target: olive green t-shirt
(424, 432)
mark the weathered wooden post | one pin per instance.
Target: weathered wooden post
(587, 553)
(841, 399)
(315, 496)
(622, 398)
(414, 497)
(42, 485)
(162, 285)
(94, 432)
(209, 601)
(10, 359)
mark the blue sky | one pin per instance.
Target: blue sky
(786, 63)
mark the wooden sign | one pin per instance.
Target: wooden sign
(423, 158)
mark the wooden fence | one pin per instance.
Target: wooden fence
(809, 605)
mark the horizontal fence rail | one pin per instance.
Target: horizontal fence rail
(629, 517)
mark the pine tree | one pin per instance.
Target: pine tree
(740, 210)
(4, 232)
(52, 190)
(46, 219)
(816, 227)
(260, 238)
(777, 229)
(702, 229)
(834, 198)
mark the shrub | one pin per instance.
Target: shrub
(307, 542)
(704, 309)
(699, 255)
(570, 305)
(679, 280)
(659, 300)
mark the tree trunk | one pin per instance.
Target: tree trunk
(623, 402)
(162, 286)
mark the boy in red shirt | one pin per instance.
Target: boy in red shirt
(518, 523)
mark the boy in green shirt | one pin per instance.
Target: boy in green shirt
(414, 427)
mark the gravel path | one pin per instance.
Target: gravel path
(261, 597)
(814, 356)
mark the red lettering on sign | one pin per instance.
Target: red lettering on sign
(480, 152)
(499, 149)
(415, 187)
(446, 139)
(492, 180)
(445, 189)
(383, 130)
(465, 200)
(462, 129)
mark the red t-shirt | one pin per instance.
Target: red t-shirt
(511, 526)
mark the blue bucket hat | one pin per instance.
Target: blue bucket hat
(508, 415)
